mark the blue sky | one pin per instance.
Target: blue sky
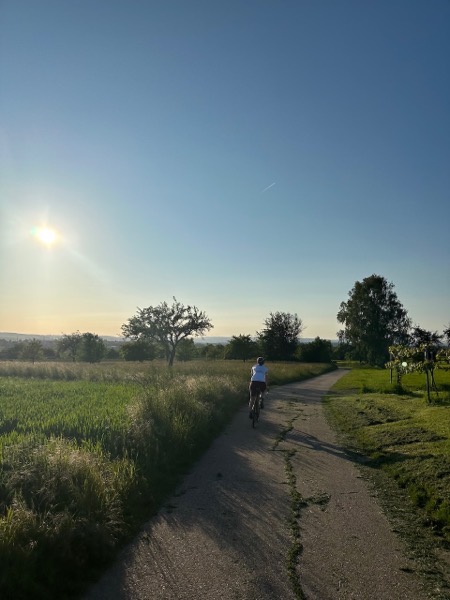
(245, 157)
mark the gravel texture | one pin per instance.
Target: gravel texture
(230, 530)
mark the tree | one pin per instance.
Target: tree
(112, 353)
(280, 337)
(139, 350)
(373, 319)
(241, 347)
(422, 336)
(32, 350)
(12, 351)
(446, 334)
(92, 348)
(343, 351)
(49, 353)
(167, 325)
(316, 351)
(69, 344)
(211, 351)
(418, 359)
(186, 350)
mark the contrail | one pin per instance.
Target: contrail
(268, 187)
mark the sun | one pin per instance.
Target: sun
(45, 235)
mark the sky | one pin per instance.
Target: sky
(244, 157)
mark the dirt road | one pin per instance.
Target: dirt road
(279, 512)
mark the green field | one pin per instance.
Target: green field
(88, 452)
(403, 443)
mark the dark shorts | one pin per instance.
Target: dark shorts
(256, 387)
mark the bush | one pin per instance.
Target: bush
(320, 351)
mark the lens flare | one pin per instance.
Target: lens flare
(45, 235)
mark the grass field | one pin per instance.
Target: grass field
(401, 438)
(89, 452)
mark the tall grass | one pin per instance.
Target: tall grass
(62, 504)
(89, 451)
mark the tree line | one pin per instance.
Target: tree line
(173, 328)
(84, 347)
(373, 320)
(168, 331)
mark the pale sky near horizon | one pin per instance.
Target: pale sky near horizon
(245, 157)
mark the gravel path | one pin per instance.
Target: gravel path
(229, 532)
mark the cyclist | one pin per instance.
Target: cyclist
(259, 382)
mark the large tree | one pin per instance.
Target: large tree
(69, 344)
(241, 347)
(167, 325)
(280, 337)
(421, 336)
(32, 350)
(92, 348)
(316, 351)
(373, 319)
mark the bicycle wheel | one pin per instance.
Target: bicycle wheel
(255, 418)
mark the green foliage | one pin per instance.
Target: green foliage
(91, 348)
(446, 335)
(139, 350)
(343, 351)
(373, 320)
(211, 351)
(87, 347)
(420, 337)
(62, 504)
(186, 350)
(400, 434)
(12, 351)
(316, 351)
(32, 350)
(421, 359)
(68, 345)
(112, 354)
(280, 337)
(174, 419)
(167, 325)
(241, 347)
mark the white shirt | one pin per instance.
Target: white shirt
(259, 373)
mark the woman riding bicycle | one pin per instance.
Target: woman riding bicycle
(259, 382)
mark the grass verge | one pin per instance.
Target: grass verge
(403, 446)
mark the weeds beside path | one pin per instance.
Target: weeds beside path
(276, 512)
(89, 452)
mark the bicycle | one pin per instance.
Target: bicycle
(256, 408)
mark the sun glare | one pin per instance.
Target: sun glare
(45, 235)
